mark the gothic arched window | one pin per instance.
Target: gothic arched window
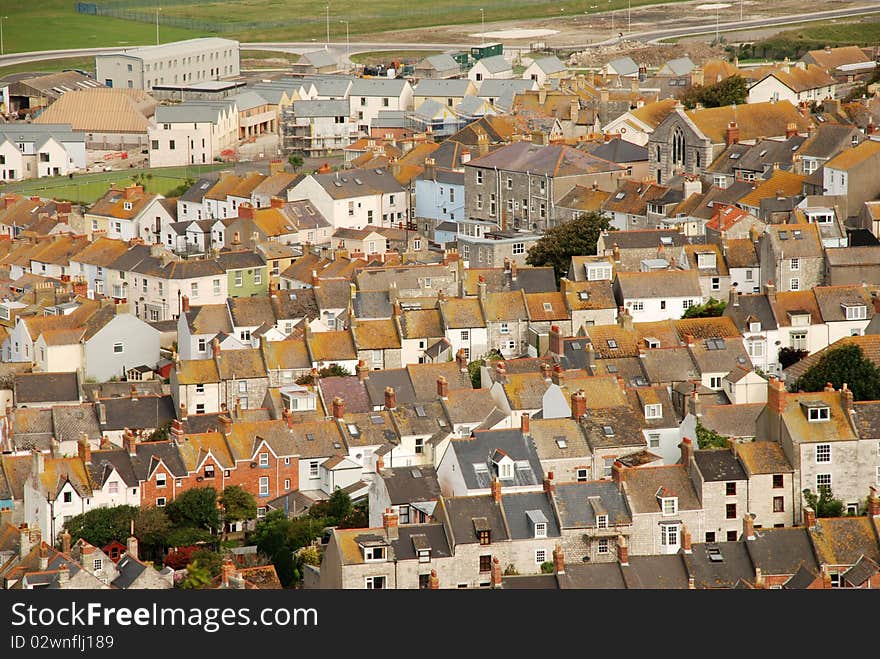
(677, 146)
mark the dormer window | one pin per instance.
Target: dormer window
(653, 411)
(375, 553)
(127, 205)
(816, 411)
(706, 260)
(503, 464)
(855, 311)
(668, 504)
(601, 521)
(755, 327)
(540, 530)
(424, 555)
(484, 537)
(651, 342)
(539, 523)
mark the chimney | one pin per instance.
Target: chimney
(442, 387)
(80, 287)
(465, 157)
(695, 405)
(215, 347)
(557, 345)
(390, 398)
(131, 191)
(462, 361)
(731, 134)
(846, 397)
(790, 130)
(496, 573)
(748, 527)
(615, 251)
(770, 291)
(236, 238)
(622, 550)
(689, 339)
(686, 540)
(184, 304)
(226, 424)
(245, 210)
(176, 431)
(362, 371)
(809, 517)
(380, 464)
(132, 543)
(555, 375)
(65, 542)
(732, 297)
(558, 560)
(687, 451)
(496, 490)
(183, 413)
(129, 442)
(84, 449)
(625, 319)
(873, 502)
(546, 372)
(226, 571)
(759, 578)
(513, 268)
(389, 523)
(434, 581)
(617, 471)
(287, 416)
(578, 405)
(549, 485)
(27, 538)
(501, 369)
(44, 557)
(276, 202)
(524, 421)
(590, 357)
(338, 407)
(542, 95)
(430, 170)
(481, 288)
(776, 394)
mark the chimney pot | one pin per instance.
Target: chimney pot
(748, 527)
(496, 490)
(524, 424)
(390, 398)
(338, 407)
(809, 517)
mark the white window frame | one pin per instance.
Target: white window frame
(264, 459)
(370, 554)
(540, 556)
(601, 521)
(823, 453)
(602, 546)
(654, 411)
(264, 486)
(820, 485)
(540, 529)
(669, 505)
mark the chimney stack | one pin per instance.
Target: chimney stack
(687, 451)
(462, 361)
(362, 371)
(557, 345)
(442, 387)
(809, 517)
(496, 573)
(226, 424)
(390, 398)
(617, 472)
(731, 134)
(776, 394)
(524, 424)
(338, 407)
(496, 490)
(177, 429)
(84, 449)
(434, 581)
(546, 371)
(732, 296)
(129, 442)
(132, 543)
(389, 523)
(622, 550)
(846, 396)
(226, 572)
(65, 542)
(558, 560)
(215, 347)
(184, 304)
(873, 502)
(578, 404)
(686, 544)
(748, 527)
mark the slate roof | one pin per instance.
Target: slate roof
(734, 566)
(550, 160)
(579, 503)
(411, 484)
(644, 482)
(462, 515)
(719, 465)
(781, 551)
(480, 449)
(46, 387)
(523, 509)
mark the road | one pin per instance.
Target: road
(652, 36)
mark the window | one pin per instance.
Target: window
(602, 546)
(420, 445)
(822, 481)
(823, 451)
(777, 481)
(200, 388)
(756, 348)
(778, 504)
(242, 384)
(540, 530)
(519, 248)
(835, 579)
(67, 497)
(313, 469)
(486, 563)
(687, 304)
(638, 305)
(239, 278)
(730, 489)
(160, 480)
(374, 553)
(504, 328)
(715, 382)
(98, 564)
(731, 536)
(730, 511)
(216, 287)
(583, 474)
(669, 535)
(653, 411)
(749, 275)
(264, 486)
(820, 414)
(209, 471)
(374, 583)
(856, 312)
(465, 335)
(118, 348)
(194, 289)
(654, 440)
(716, 283)
(798, 340)
(794, 284)
(479, 177)
(403, 513)
(200, 408)
(540, 556)
(113, 487)
(669, 505)
(601, 521)
(609, 462)
(203, 347)
(485, 538)
(160, 502)
(794, 265)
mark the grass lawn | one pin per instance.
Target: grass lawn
(54, 24)
(837, 33)
(87, 188)
(387, 56)
(268, 54)
(51, 66)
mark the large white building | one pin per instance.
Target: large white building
(190, 61)
(195, 132)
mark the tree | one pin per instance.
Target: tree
(709, 438)
(711, 309)
(210, 560)
(195, 508)
(824, 503)
(844, 364)
(295, 160)
(575, 238)
(730, 91)
(152, 526)
(101, 526)
(279, 538)
(238, 504)
(197, 576)
(334, 370)
(789, 356)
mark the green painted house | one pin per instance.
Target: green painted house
(247, 273)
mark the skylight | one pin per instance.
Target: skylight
(612, 344)
(608, 430)
(561, 443)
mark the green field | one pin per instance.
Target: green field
(54, 24)
(50, 66)
(86, 188)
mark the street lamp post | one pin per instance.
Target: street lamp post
(158, 9)
(2, 18)
(347, 47)
(482, 27)
(629, 24)
(327, 45)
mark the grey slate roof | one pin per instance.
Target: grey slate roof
(321, 108)
(143, 412)
(46, 387)
(193, 112)
(129, 570)
(524, 509)
(498, 87)
(733, 567)
(620, 151)
(495, 64)
(719, 465)
(464, 515)
(321, 58)
(441, 62)
(397, 379)
(425, 535)
(550, 65)
(405, 486)
(377, 87)
(782, 551)
(578, 504)
(451, 87)
(480, 449)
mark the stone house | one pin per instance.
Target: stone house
(791, 257)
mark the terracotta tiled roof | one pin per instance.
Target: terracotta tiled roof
(786, 183)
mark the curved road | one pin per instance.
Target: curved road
(652, 36)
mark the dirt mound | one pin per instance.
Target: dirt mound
(650, 56)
